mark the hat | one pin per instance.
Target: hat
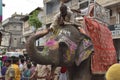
(113, 72)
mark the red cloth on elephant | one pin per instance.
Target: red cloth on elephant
(104, 52)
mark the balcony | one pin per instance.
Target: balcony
(10, 20)
(108, 2)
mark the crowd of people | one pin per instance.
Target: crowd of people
(19, 68)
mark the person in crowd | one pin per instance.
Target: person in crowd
(57, 73)
(34, 71)
(21, 66)
(7, 63)
(27, 72)
(63, 73)
(43, 72)
(25, 64)
(1, 64)
(13, 72)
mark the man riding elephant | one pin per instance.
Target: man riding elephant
(63, 17)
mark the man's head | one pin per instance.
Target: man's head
(7, 62)
(63, 10)
(15, 60)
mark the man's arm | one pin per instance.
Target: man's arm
(55, 22)
(75, 10)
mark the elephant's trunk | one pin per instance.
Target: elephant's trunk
(41, 57)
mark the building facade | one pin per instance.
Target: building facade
(114, 7)
(13, 26)
(28, 30)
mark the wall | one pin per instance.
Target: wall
(108, 2)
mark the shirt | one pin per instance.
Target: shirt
(69, 18)
(13, 71)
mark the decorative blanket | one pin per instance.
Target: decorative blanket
(104, 52)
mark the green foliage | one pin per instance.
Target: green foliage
(3, 51)
(34, 21)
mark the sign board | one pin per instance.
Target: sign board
(115, 29)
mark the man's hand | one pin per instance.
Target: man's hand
(61, 21)
(74, 10)
(42, 33)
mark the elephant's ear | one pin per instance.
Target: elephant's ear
(84, 50)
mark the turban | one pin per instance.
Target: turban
(113, 72)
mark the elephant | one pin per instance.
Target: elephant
(69, 47)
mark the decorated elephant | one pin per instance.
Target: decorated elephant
(68, 48)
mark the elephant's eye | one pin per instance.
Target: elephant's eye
(63, 45)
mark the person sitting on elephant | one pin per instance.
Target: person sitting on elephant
(65, 16)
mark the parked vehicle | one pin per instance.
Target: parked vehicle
(17, 54)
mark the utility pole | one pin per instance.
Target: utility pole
(3, 5)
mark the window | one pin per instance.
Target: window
(83, 4)
(52, 7)
(49, 8)
(110, 12)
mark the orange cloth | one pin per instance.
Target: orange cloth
(104, 52)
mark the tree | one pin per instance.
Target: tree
(34, 21)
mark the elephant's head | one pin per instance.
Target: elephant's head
(58, 50)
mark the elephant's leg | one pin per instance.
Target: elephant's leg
(82, 72)
(98, 77)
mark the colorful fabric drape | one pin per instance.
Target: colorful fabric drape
(104, 52)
